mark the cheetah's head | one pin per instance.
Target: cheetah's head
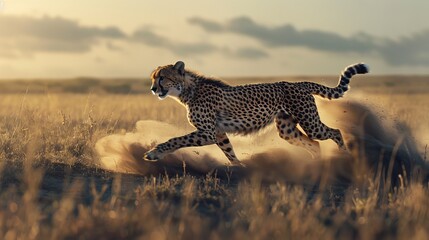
(168, 80)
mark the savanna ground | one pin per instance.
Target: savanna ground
(55, 185)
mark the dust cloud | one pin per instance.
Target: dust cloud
(376, 148)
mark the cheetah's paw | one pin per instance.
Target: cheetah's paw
(152, 156)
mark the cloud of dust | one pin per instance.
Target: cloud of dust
(375, 146)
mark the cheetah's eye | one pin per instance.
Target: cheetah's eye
(160, 80)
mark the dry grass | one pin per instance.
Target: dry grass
(41, 133)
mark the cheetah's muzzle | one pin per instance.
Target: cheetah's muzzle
(163, 93)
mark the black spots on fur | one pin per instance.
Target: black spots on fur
(344, 80)
(351, 70)
(282, 115)
(336, 95)
(361, 68)
(228, 149)
(347, 74)
(226, 141)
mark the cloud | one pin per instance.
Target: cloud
(26, 35)
(147, 36)
(286, 35)
(23, 36)
(246, 53)
(412, 50)
(407, 51)
(207, 24)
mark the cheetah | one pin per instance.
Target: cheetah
(215, 108)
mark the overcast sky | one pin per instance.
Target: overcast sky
(111, 38)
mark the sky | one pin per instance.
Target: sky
(222, 38)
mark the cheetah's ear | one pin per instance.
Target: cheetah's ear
(180, 66)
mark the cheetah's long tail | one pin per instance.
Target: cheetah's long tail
(343, 84)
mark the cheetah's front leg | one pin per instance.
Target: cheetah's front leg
(197, 138)
(222, 141)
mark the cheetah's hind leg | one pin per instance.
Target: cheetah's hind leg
(286, 126)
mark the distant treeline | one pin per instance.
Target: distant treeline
(83, 85)
(77, 85)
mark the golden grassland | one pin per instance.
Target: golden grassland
(47, 124)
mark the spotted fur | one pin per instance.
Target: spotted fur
(216, 108)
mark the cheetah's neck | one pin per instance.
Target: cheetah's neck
(188, 92)
(193, 82)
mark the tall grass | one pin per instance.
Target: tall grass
(37, 130)
(185, 207)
